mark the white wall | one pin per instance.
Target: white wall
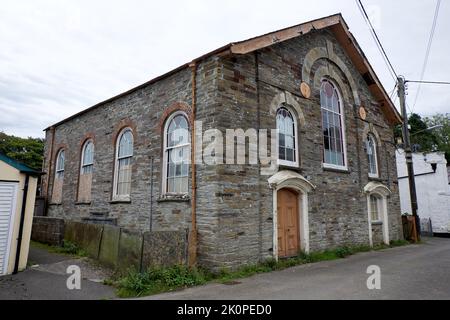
(433, 189)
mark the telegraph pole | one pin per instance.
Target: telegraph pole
(409, 158)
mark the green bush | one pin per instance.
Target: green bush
(159, 279)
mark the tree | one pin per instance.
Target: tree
(29, 151)
(424, 140)
(441, 135)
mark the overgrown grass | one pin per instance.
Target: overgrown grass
(68, 248)
(156, 280)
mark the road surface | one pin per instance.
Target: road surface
(411, 272)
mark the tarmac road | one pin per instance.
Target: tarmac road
(411, 272)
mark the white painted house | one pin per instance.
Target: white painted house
(432, 186)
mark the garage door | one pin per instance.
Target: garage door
(8, 194)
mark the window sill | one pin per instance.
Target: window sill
(287, 164)
(174, 198)
(335, 169)
(120, 200)
(292, 168)
(81, 203)
(373, 178)
(55, 204)
(377, 223)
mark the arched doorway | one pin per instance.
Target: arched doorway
(288, 221)
(290, 204)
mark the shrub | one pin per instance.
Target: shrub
(158, 279)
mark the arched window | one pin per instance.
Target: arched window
(287, 137)
(333, 126)
(87, 157)
(371, 149)
(124, 155)
(177, 150)
(60, 164)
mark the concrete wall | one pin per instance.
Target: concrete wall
(123, 249)
(48, 230)
(9, 173)
(433, 189)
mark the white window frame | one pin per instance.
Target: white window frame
(116, 196)
(166, 149)
(59, 172)
(84, 165)
(287, 163)
(380, 205)
(375, 151)
(344, 135)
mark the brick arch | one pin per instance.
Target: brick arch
(332, 74)
(370, 129)
(174, 107)
(58, 148)
(86, 137)
(328, 54)
(124, 123)
(288, 99)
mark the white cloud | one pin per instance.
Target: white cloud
(59, 57)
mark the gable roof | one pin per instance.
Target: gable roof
(18, 165)
(335, 23)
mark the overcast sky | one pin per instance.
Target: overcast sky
(60, 57)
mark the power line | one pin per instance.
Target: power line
(429, 82)
(377, 40)
(427, 54)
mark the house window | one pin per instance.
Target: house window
(124, 155)
(87, 168)
(177, 152)
(334, 155)
(371, 147)
(87, 158)
(287, 140)
(60, 164)
(375, 207)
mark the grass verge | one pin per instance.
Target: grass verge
(68, 248)
(157, 280)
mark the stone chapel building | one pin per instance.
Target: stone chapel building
(335, 183)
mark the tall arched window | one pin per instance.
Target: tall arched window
(124, 155)
(287, 137)
(333, 126)
(86, 170)
(177, 150)
(371, 149)
(60, 164)
(87, 157)
(59, 177)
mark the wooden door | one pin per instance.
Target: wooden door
(288, 224)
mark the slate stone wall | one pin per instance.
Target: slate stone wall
(234, 202)
(48, 230)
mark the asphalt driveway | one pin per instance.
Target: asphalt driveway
(46, 279)
(411, 272)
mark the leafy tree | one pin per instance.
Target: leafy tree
(29, 151)
(425, 140)
(442, 134)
